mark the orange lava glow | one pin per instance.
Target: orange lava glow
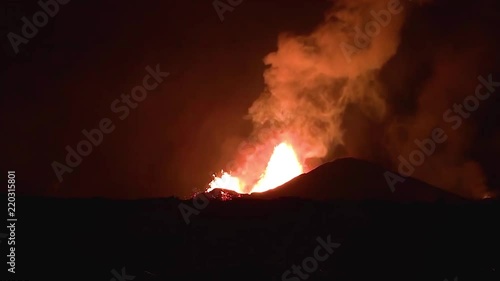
(283, 166)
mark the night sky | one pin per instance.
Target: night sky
(65, 79)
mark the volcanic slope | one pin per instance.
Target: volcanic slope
(354, 179)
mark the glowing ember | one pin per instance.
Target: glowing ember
(282, 167)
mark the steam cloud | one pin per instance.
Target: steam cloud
(373, 103)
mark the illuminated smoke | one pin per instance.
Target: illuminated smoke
(374, 103)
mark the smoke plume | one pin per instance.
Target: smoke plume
(374, 76)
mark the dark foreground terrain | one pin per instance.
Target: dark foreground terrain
(250, 239)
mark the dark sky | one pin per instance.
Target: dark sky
(65, 79)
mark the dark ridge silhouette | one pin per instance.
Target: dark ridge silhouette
(418, 232)
(354, 179)
(253, 239)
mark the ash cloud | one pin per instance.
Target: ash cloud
(374, 103)
(310, 81)
(437, 66)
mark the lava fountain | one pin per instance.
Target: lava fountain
(283, 166)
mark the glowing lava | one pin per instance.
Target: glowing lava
(283, 166)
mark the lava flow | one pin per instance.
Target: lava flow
(282, 167)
